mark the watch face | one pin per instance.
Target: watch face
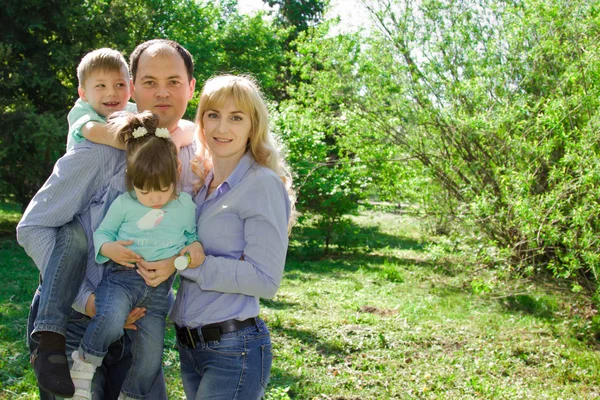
(181, 263)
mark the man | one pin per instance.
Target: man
(84, 183)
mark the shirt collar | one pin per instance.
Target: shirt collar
(246, 162)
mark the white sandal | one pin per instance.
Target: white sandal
(82, 373)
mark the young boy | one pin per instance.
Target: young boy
(103, 89)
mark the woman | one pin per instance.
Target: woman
(244, 208)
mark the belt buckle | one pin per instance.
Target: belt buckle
(190, 338)
(185, 337)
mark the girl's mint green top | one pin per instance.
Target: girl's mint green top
(156, 233)
(81, 114)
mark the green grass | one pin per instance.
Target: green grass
(382, 317)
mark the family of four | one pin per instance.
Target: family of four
(140, 196)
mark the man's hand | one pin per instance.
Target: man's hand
(120, 254)
(196, 252)
(156, 272)
(90, 306)
(134, 315)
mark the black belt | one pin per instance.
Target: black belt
(211, 332)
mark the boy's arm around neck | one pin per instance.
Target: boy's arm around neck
(98, 133)
(183, 135)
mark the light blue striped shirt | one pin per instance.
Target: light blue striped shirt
(83, 184)
(246, 216)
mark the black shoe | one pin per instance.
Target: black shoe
(52, 372)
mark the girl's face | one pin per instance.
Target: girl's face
(154, 198)
(227, 130)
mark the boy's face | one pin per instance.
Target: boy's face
(106, 91)
(162, 86)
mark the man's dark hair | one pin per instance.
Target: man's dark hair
(185, 55)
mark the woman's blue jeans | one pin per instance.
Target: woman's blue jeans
(236, 367)
(120, 291)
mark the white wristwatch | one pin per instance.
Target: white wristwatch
(182, 262)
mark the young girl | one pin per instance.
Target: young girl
(152, 222)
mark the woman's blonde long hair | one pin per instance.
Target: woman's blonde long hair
(262, 144)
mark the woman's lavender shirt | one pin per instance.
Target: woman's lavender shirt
(246, 216)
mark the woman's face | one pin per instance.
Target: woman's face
(227, 130)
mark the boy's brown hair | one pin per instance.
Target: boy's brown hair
(100, 59)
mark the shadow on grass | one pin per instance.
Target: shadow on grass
(308, 242)
(278, 304)
(347, 263)
(10, 214)
(311, 339)
(281, 382)
(542, 307)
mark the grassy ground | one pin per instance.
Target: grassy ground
(388, 319)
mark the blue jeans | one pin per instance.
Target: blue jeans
(61, 280)
(236, 367)
(120, 291)
(108, 378)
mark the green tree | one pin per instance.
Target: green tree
(494, 102)
(332, 152)
(301, 14)
(498, 101)
(41, 44)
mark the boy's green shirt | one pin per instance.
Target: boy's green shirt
(81, 114)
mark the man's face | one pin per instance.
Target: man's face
(162, 86)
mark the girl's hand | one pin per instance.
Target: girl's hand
(156, 272)
(196, 252)
(134, 315)
(120, 254)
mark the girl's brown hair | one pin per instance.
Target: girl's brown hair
(152, 162)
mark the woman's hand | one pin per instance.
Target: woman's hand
(134, 315)
(196, 252)
(156, 272)
(120, 254)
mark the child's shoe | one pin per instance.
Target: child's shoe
(82, 373)
(50, 365)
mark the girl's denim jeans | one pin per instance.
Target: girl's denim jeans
(120, 291)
